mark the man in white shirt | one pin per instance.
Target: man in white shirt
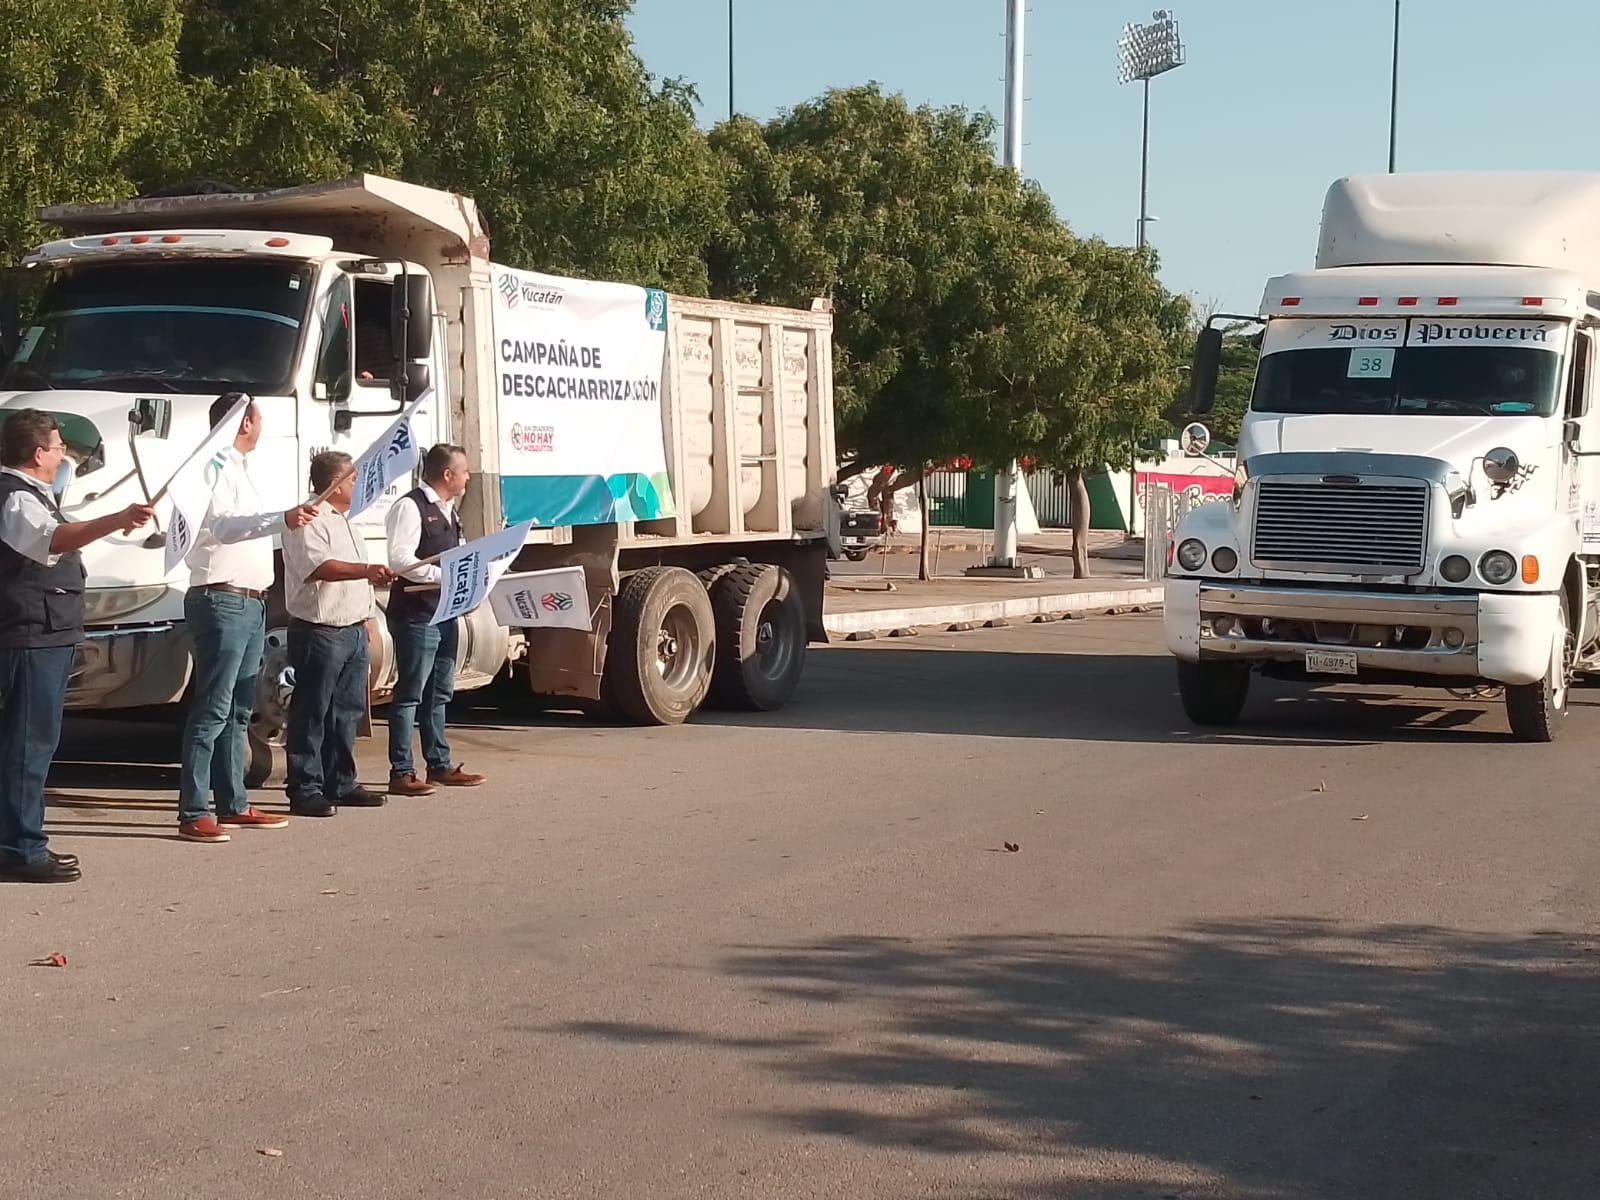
(423, 525)
(328, 590)
(41, 623)
(230, 573)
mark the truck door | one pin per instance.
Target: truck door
(351, 389)
(1581, 473)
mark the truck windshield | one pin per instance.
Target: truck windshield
(202, 326)
(1471, 380)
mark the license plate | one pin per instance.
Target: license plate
(1331, 662)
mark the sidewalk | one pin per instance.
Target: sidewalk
(865, 605)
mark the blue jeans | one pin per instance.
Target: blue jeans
(425, 659)
(227, 631)
(330, 698)
(33, 691)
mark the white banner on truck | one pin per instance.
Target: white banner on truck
(578, 376)
(1294, 333)
(1528, 335)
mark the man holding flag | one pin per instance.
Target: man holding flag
(230, 563)
(423, 525)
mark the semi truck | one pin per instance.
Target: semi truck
(1417, 497)
(336, 305)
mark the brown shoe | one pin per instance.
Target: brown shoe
(456, 776)
(205, 829)
(409, 785)
(253, 818)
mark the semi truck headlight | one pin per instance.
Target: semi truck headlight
(1224, 559)
(1454, 568)
(103, 606)
(1497, 568)
(1191, 554)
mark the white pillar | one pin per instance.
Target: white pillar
(1008, 480)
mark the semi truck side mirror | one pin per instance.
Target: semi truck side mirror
(411, 335)
(1203, 372)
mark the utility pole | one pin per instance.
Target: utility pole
(1003, 555)
(730, 60)
(1394, 86)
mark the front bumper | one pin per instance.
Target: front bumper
(130, 667)
(1492, 636)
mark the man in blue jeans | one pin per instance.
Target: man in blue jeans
(230, 572)
(41, 624)
(423, 525)
(328, 590)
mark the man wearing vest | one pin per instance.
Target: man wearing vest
(423, 525)
(230, 571)
(41, 622)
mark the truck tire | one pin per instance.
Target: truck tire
(856, 555)
(1213, 693)
(267, 732)
(761, 638)
(661, 648)
(1537, 711)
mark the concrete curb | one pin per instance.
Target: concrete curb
(1012, 608)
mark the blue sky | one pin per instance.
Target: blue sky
(1278, 99)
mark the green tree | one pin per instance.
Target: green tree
(968, 319)
(539, 109)
(86, 99)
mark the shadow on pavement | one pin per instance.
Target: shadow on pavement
(1280, 1058)
(1095, 697)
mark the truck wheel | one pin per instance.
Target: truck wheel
(662, 643)
(856, 555)
(761, 638)
(1537, 711)
(265, 736)
(1213, 693)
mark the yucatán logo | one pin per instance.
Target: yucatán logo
(1367, 333)
(556, 601)
(510, 290)
(655, 308)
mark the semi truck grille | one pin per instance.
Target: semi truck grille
(1359, 528)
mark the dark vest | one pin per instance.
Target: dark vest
(441, 531)
(40, 606)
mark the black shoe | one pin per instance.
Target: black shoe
(50, 870)
(312, 806)
(66, 860)
(360, 797)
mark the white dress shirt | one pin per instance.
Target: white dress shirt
(329, 538)
(231, 546)
(26, 522)
(404, 526)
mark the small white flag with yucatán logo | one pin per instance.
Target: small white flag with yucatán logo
(190, 486)
(554, 599)
(393, 455)
(469, 572)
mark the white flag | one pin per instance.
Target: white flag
(470, 571)
(393, 455)
(190, 487)
(554, 599)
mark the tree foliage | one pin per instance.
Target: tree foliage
(85, 101)
(539, 109)
(968, 318)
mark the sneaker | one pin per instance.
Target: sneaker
(457, 776)
(409, 785)
(253, 818)
(205, 829)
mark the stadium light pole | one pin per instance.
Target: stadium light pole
(1143, 52)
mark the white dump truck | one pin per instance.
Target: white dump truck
(1418, 492)
(692, 478)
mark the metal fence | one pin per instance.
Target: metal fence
(1164, 507)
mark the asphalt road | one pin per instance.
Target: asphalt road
(1346, 950)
